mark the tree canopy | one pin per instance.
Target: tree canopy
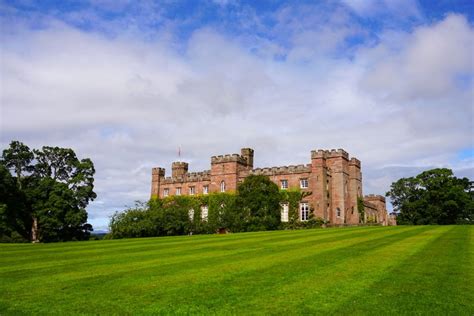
(51, 192)
(258, 199)
(433, 197)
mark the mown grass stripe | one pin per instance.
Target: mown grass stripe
(305, 272)
(146, 252)
(443, 264)
(204, 270)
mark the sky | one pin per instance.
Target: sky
(127, 83)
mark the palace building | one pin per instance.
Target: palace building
(334, 180)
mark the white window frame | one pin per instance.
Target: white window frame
(178, 191)
(192, 190)
(284, 183)
(304, 211)
(166, 192)
(191, 214)
(338, 212)
(222, 186)
(204, 213)
(304, 183)
(205, 189)
(285, 207)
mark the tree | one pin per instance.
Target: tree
(258, 199)
(433, 197)
(14, 218)
(18, 157)
(56, 191)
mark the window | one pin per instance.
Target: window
(191, 214)
(338, 212)
(192, 190)
(303, 183)
(204, 212)
(178, 191)
(304, 211)
(284, 184)
(222, 186)
(284, 212)
(205, 189)
(166, 192)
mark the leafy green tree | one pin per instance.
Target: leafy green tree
(56, 191)
(134, 222)
(13, 215)
(18, 157)
(433, 197)
(258, 199)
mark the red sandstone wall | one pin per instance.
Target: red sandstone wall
(334, 180)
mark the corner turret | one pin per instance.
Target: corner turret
(179, 169)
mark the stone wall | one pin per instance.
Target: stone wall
(334, 180)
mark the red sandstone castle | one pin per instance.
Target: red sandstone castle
(334, 180)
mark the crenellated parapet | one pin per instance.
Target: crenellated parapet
(354, 162)
(333, 153)
(374, 197)
(189, 177)
(160, 172)
(229, 158)
(292, 169)
(179, 169)
(199, 176)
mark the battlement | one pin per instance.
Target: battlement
(374, 197)
(189, 177)
(199, 176)
(333, 153)
(180, 164)
(354, 162)
(158, 171)
(228, 158)
(179, 169)
(281, 170)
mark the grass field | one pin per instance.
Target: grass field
(362, 270)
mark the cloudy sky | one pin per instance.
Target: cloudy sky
(126, 83)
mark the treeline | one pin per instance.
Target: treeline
(433, 197)
(256, 206)
(43, 194)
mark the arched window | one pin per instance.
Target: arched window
(338, 212)
(222, 186)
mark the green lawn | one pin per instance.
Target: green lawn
(361, 270)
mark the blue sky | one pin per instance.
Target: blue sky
(127, 82)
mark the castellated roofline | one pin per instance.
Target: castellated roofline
(158, 171)
(179, 164)
(374, 197)
(228, 158)
(190, 177)
(333, 153)
(282, 170)
(355, 162)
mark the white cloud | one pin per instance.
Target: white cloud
(425, 64)
(128, 104)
